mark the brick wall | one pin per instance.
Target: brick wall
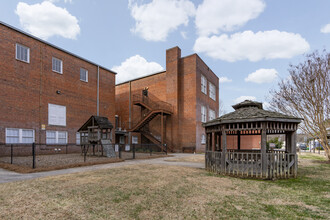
(180, 86)
(28, 88)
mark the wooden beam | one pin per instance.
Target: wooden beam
(263, 149)
(224, 150)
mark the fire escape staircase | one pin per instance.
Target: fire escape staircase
(151, 109)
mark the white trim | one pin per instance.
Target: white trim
(86, 75)
(203, 84)
(203, 139)
(20, 135)
(28, 53)
(203, 114)
(212, 91)
(56, 137)
(53, 117)
(61, 62)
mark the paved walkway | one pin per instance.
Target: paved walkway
(9, 176)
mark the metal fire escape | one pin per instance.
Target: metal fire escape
(150, 109)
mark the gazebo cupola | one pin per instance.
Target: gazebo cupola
(250, 119)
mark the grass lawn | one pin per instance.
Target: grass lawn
(169, 192)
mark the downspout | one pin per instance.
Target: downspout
(130, 113)
(98, 92)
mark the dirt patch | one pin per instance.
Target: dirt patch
(64, 161)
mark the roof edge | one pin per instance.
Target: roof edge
(141, 77)
(54, 46)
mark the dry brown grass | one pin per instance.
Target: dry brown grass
(166, 192)
(197, 158)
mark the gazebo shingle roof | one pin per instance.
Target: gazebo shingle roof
(249, 111)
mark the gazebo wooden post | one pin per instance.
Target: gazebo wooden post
(287, 142)
(207, 141)
(263, 148)
(293, 151)
(213, 141)
(223, 149)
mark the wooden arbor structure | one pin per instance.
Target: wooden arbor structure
(249, 118)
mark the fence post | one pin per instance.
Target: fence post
(85, 152)
(33, 155)
(11, 154)
(166, 148)
(119, 150)
(133, 151)
(66, 149)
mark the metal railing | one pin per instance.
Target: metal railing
(153, 103)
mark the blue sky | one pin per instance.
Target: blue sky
(249, 44)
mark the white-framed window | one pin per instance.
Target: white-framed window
(57, 65)
(212, 91)
(22, 53)
(203, 84)
(203, 141)
(203, 113)
(83, 75)
(56, 137)
(19, 136)
(78, 138)
(211, 114)
(56, 115)
(134, 140)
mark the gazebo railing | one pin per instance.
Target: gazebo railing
(245, 164)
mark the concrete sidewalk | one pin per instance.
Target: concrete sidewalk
(9, 176)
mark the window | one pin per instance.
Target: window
(56, 115)
(56, 137)
(203, 139)
(121, 140)
(212, 91)
(57, 65)
(19, 136)
(83, 75)
(211, 114)
(203, 83)
(203, 113)
(134, 139)
(22, 53)
(78, 138)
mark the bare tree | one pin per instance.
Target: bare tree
(221, 108)
(306, 94)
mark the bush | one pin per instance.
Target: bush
(278, 144)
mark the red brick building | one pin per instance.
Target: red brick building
(47, 93)
(178, 100)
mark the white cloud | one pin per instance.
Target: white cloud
(45, 20)
(155, 20)
(252, 46)
(134, 67)
(224, 80)
(183, 34)
(262, 76)
(213, 16)
(266, 105)
(65, 1)
(243, 98)
(325, 29)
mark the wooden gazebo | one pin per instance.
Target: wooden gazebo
(249, 118)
